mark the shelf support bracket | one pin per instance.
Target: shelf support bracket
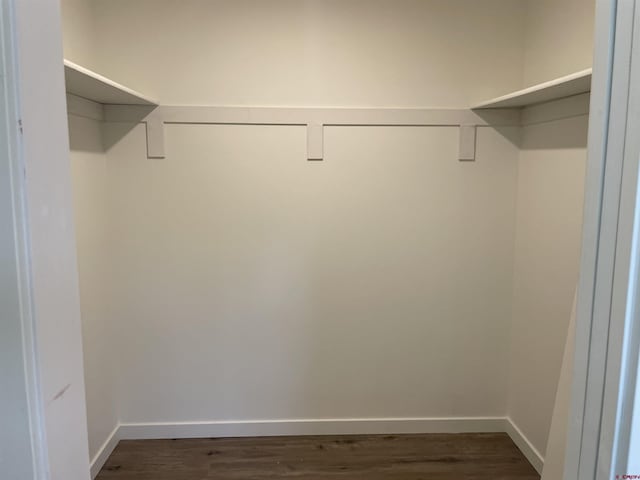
(467, 143)
(155, 136)
(315, 141)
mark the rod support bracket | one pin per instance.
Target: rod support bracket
(155, 136)
(315, 141)
(467, 143)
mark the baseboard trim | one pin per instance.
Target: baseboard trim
(525, 446)
(100, 458)
(339, 426)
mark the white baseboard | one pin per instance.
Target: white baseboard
(525, 446)
(340, 426)
(100, 458)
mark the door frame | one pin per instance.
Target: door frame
(22, 381)
(41, 267)
(606, 342)
(606, 338)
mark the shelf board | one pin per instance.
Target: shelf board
(84, 83)
(574, 84)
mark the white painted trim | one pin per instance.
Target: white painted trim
(311, 117)
(11, 90)
(50, 235)
(87, 84)
(624, 334)
(467, 143)
(590, 446)
(315, 142)
(307, 116)
(240, 115)
(573, 84)
(155, 136)
(569, 107)
(107, 448)
(81, 107)
(341, 426)
(526, 447)
(315, 119)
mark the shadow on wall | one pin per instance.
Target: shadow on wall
(119, 129)
(84, 136)
(100, 140)
(513, 135)
(568, 133)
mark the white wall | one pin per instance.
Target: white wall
(320, 52)
(253, 284)
(558, 38)
(79, 27)
(558, 41)
(277, 284)
(91, 191)
(555, 456)
(547, 250)
(52, 252)
(314, 52)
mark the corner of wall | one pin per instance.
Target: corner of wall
(103, 453)
(524, 444)
(558, 38)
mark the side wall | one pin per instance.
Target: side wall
(79, 27)
(90, 188)
(558, 41)
(558, 38)
(547, 253)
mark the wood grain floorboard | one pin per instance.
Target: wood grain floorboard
(477, 456)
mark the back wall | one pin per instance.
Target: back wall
(252, 284)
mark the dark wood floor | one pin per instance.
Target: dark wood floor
(484, 456)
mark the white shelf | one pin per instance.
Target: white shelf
(84, 83)
(574, 84)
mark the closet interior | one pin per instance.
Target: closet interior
(327, 217)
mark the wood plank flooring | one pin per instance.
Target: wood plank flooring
(478, 456)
